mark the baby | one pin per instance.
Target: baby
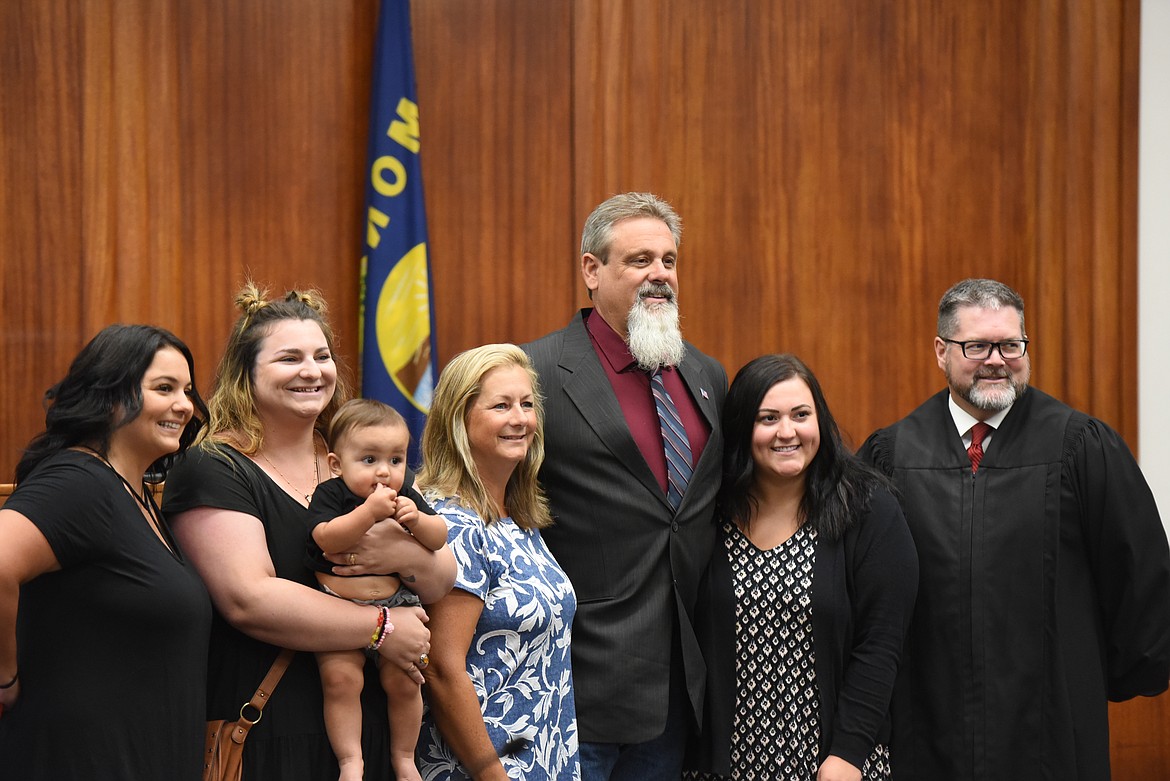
(367, 442)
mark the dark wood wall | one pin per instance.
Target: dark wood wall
(837, 165)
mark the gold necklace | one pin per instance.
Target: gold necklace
(316, 472)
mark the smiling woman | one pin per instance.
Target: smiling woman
(786, 436)
(239, 503)
(501, 422)
(500, 693)
(108, 678)
(823, 534)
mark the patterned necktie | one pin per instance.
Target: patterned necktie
(975, 451)
(674, 442)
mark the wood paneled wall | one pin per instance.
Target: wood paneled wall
(154, 153)
(837, 166)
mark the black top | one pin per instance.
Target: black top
(333, 499)
(112, 648)
(289, 743)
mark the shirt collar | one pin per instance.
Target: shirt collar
(964, 421)
(612, 347)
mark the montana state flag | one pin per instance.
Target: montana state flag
(399, 365)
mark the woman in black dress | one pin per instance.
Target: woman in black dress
(103, 675)
(808, 597)
(239, 502)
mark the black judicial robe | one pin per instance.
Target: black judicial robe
(1044, 590)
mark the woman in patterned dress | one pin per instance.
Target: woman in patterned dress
(499, 687)
(807, 600)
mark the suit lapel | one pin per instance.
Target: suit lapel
(701, 390)
(587, 387)
(710, 461)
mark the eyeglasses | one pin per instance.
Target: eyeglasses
(981, 351)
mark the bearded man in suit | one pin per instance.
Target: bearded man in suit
(633, 502)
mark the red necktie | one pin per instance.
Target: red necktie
(975, 452)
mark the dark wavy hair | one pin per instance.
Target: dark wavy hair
(105, 377)
(838, 485)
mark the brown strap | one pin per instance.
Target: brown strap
(260, 698)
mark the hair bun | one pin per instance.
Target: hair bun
(251, 299)
(310, 298)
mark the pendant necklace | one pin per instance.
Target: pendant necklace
(146, 502)
(296, 489)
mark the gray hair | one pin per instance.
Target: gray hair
(983, 293)
(598, 231)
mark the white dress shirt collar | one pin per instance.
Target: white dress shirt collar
(964, 421)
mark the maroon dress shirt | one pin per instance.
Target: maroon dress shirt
(631, 385)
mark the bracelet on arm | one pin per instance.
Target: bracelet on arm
(11, 683)
(377, 629)
(387, 627)
(382, 631)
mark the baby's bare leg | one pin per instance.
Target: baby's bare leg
(404, 706)
(342, 676)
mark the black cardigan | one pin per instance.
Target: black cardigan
(864, 587)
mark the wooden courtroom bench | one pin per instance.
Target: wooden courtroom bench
(6, 490)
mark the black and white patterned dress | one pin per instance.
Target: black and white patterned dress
(776, 732)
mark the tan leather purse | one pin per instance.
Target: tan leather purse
(224, 740)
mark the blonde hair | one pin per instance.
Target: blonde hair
(448, 467)
(232, 417)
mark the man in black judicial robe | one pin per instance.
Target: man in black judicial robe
(1045, 574)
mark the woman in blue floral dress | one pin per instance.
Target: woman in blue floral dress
(499, 686)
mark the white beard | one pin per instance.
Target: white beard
(655, 339)
(994, 398)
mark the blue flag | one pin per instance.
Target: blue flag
(397, 345)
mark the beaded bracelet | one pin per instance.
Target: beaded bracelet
(387, 628)
(382, 631)
(377, 635)
(11, 683)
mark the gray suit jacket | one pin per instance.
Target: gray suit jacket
(635, 563)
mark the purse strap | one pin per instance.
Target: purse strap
(275, 673)
(260, 698)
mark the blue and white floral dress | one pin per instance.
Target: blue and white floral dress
(519, 655)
